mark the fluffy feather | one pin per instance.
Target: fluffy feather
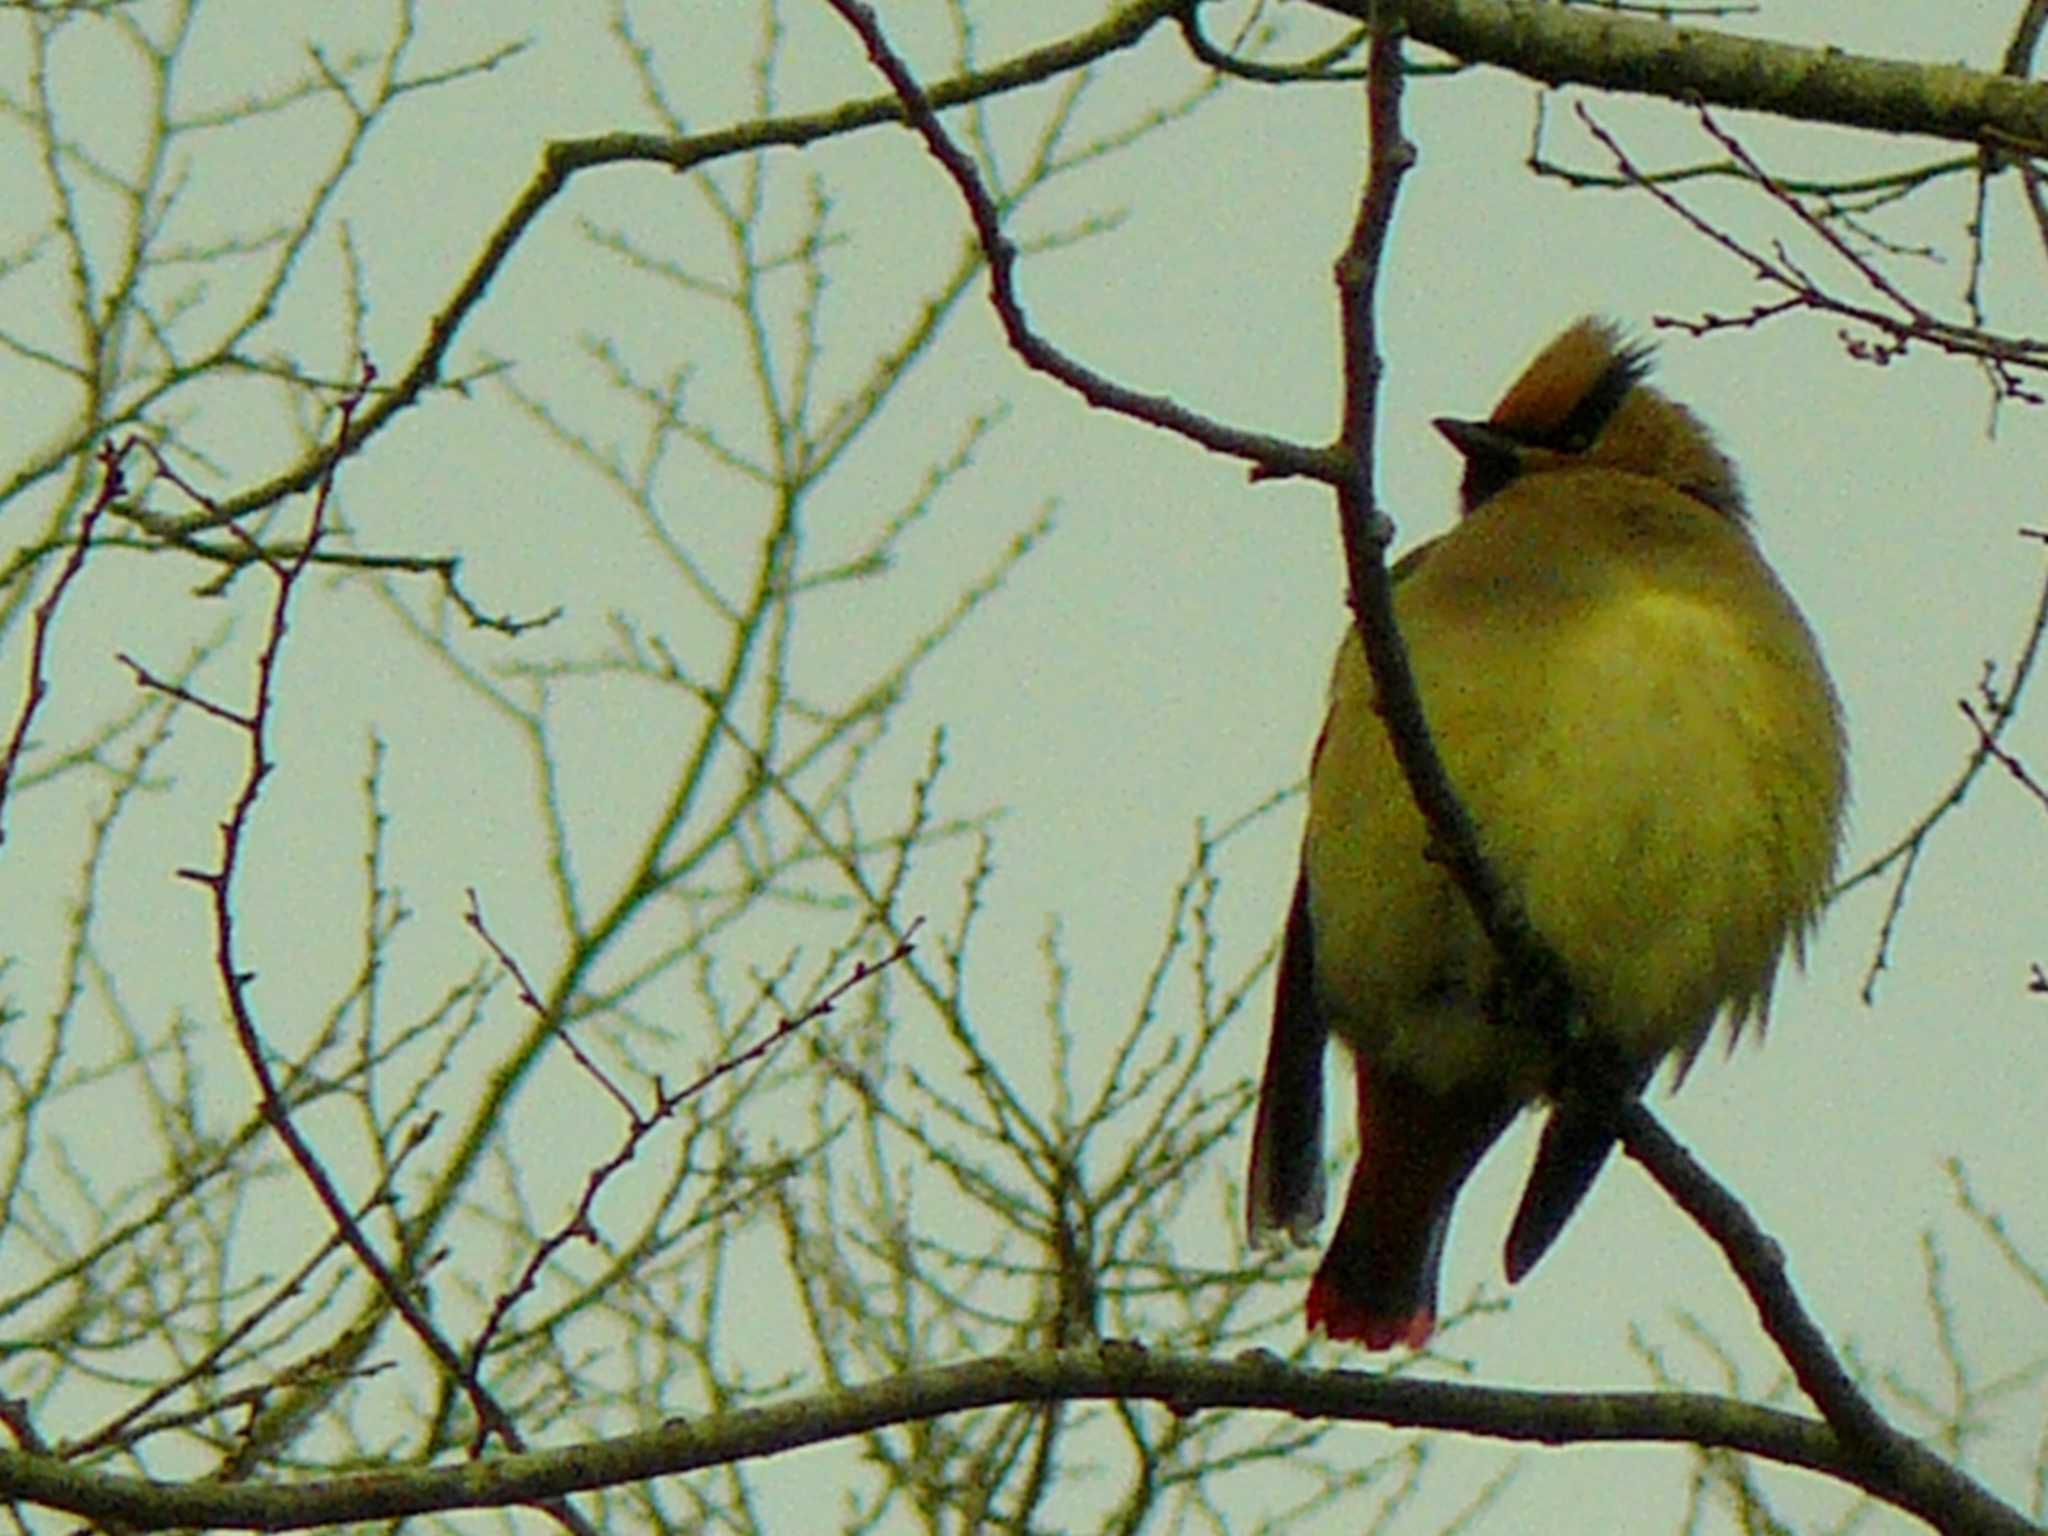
(1638, 719)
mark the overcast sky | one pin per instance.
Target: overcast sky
(1159, 661)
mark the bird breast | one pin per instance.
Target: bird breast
(1652, 758)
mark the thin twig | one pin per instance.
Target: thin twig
(254, 724)
(1272, 457)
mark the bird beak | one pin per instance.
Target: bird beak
(1479, 442)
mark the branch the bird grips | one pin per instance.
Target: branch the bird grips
(1638, 720)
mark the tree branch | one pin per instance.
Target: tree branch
(565, 159)
(1560, 45)
(1920, 1482)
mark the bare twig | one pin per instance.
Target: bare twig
(1987, 743)
(1270, 456)
(582, 1222)
(218, 882)
(1904, 853)
(1898, 319)
(113, 486)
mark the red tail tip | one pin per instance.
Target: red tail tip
(1346, 1320)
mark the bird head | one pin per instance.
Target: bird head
(1583, 404)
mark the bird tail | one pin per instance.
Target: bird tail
(1378, 1282)
(1284, 1187)
(1575, 1145)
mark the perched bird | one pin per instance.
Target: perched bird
(1637, 718)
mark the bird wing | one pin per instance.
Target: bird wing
(1285, 1186)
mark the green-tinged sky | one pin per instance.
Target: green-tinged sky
(1157, 663)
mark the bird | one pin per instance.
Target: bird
(1638, 721)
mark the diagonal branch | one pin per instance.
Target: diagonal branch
(1271, 456)
(1563, 45)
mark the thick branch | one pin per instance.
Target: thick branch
(1921, 1482)
(1566, 46)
